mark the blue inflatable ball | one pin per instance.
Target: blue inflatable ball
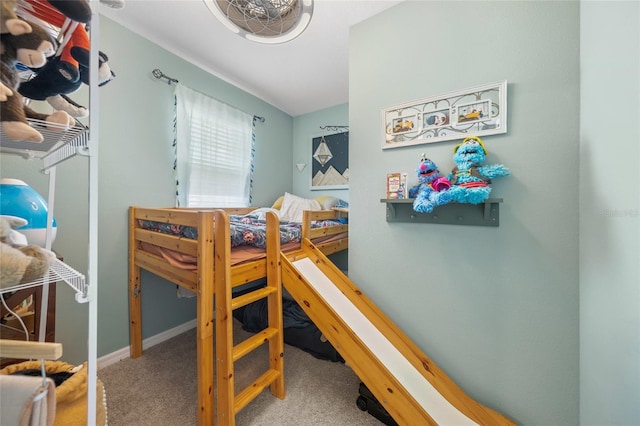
(19, 199)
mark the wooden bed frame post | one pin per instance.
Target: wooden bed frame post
(135, 293)
(228, 402)
(224, 322)
(274, 304)
(205, 320)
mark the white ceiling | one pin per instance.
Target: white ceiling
(304, 75)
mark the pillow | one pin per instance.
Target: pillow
(292, 207)
(327, 201)
(278, 203)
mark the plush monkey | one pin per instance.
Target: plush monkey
(32, 50)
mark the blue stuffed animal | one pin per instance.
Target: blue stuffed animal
(432, 189)
(470, 180)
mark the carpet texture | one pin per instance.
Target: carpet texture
(159, 388)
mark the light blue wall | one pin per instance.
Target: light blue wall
(609, 214)
(305, 128)
(135, 160)
(496, 308)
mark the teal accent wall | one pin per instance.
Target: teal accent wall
(496, 308)
(609, 213)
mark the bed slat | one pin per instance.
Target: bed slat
(160, 267)
(247, 272)
(174, 216)
(182, 245)
(327, 230)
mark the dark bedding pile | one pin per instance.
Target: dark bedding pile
(299, 330)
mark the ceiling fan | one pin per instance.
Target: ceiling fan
(263, 21)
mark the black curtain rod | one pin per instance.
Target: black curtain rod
(160, 75)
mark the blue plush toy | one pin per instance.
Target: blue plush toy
(432, 189)
(469, 179)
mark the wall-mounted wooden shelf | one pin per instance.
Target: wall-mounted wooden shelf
(483, 214)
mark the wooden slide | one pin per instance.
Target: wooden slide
(410, 386)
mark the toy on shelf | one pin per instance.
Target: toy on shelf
(20, 264)
(20, 200)
(432, 188)
(31, 49)
(10, 23)
(69, 68)
(470, 179)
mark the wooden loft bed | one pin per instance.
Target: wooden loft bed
(218, 269)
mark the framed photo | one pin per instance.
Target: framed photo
(473, 112)
(476, 111)
(404, 124)
(434, 119)
(330, 161)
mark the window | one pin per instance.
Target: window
(214, 152)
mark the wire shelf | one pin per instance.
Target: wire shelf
(58, 272)
(58, 145)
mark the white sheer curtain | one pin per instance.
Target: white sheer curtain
(214, 151)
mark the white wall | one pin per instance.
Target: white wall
(496, 308)
(609, 213)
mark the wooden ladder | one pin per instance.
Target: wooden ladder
(228, 402)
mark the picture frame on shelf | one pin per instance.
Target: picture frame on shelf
(479, 111)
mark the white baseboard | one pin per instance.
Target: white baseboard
(124, 353)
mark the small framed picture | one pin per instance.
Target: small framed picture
(473, 112)
(434, 119)
(404, 124)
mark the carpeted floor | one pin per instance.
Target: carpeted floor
(159, 388)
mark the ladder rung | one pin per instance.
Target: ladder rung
(245, 299)
(253, 342)
(250, 392)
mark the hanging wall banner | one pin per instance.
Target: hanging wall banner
(330, 161)
(477, 111)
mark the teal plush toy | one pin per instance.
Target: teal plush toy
(470, 180)
(432, 189)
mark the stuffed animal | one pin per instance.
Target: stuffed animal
(64, 103)
(432, 189)
(9, 22)
(20, 264)
(31, 49)
(470, 179)
(67, 66)
(65, 73)
(79, 10)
